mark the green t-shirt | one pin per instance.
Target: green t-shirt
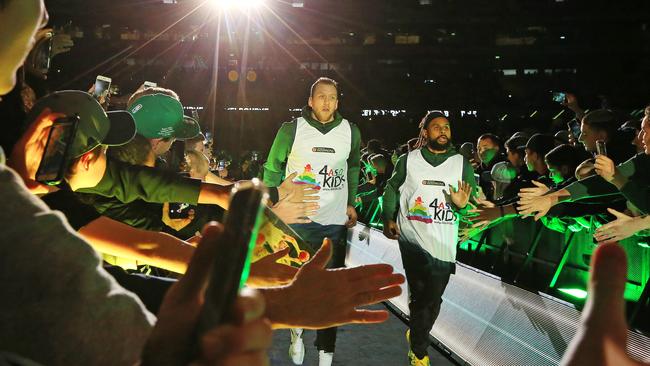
(274, 168)
(391, 192)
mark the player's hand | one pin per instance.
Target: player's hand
(391, 230)
(461, 196)
(352, 217)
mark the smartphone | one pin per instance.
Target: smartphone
(601, 149)
(57, 150)
(102, 86)
(221, 165)
(231, 265)
(574, 128)
(149, 84)
(179, 210)
(559, 97)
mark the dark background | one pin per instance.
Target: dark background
(407, 56)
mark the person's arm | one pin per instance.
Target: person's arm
(354, 164)
(129, 182)
(150, 247)
(391, 191)
(274, 166)
(597, 186)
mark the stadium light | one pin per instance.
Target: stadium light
(241, 4)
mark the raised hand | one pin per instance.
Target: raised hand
(461, 196)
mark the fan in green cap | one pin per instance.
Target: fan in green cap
(159, 116)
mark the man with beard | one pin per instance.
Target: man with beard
(422, 188)
(323, 148)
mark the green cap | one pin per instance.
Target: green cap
(96, 127)
(161, 116)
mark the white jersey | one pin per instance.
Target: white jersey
(322, 159)
(426, 216)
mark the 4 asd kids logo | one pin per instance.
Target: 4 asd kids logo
(442, 212)
(331, 178)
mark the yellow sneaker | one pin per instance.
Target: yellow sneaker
(417, 361)
(413, 359)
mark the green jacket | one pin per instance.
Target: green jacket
(391, 192)
(274, 168)
(128, 183)
(636, 170)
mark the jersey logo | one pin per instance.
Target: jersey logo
(419, 213)
(433, 183)
(442, 212)
(333, 179)
(307, 177)
(327, 150)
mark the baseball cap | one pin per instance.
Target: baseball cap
(503, 172)
(159, 116)
(96, 126)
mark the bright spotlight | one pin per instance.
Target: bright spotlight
(241, 4)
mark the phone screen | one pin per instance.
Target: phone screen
(231, 266)
(51, 169)
(102, 86)
(574, 128)
(559, 97)
(601, 148)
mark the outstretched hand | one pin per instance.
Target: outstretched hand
(301, 192)
(539, 190)
(623, 227)
(294, 212)
(460, 197)
(267, 272)
(322, 298)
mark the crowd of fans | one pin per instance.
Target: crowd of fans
(61, 305)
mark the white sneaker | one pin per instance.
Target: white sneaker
(325, 358)
(297, 347)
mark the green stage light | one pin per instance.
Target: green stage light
(575, 292)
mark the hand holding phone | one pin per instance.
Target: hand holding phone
(601, 148)
(102, 87)
(231, 265)
(51, 170)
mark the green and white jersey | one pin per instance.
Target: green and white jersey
(426, 215)
(321, 159)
